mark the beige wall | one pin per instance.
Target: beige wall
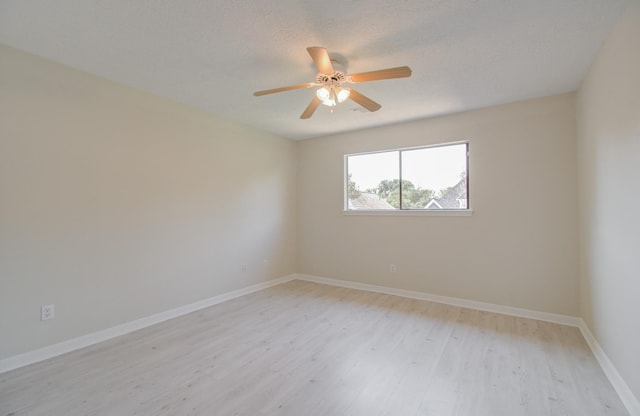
(116, 204)
(609, 169)
(519, 248)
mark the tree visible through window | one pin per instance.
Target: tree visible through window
(426, 178)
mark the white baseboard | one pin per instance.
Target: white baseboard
(64, 347)
(464, 303)
(630, 401)
(626, 396)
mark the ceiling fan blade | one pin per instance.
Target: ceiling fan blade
(282, 89)
(321, 57)
(364, 101)
(311, 108)
(398, 72)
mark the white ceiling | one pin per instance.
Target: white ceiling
(212, 54)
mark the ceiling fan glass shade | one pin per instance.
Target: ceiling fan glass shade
(342, 94)
(323, 93)
(332, 96)
(327, 96)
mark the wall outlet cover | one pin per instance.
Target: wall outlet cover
(47, 312)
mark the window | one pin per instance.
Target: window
(425, 178)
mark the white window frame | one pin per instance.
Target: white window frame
(463, 212)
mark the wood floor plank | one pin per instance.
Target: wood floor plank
(303, 348)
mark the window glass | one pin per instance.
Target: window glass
(367, 174)
(427, 178)
(435, 175)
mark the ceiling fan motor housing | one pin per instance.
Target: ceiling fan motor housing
(334, 80)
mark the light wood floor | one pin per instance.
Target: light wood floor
(308, 349)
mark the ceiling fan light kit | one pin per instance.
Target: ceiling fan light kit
(332, 95)
(331, 91)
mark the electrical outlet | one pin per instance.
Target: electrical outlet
(47, 312)
(393, 268)
(243, 268)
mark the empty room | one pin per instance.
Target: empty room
(410, 207)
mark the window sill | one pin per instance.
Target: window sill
(412, 213)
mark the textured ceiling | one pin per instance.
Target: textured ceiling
(213, 54)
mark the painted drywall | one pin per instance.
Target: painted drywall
(116, 204)
(609, 168)
(519, 248)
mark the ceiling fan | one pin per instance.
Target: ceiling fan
(330, 80)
